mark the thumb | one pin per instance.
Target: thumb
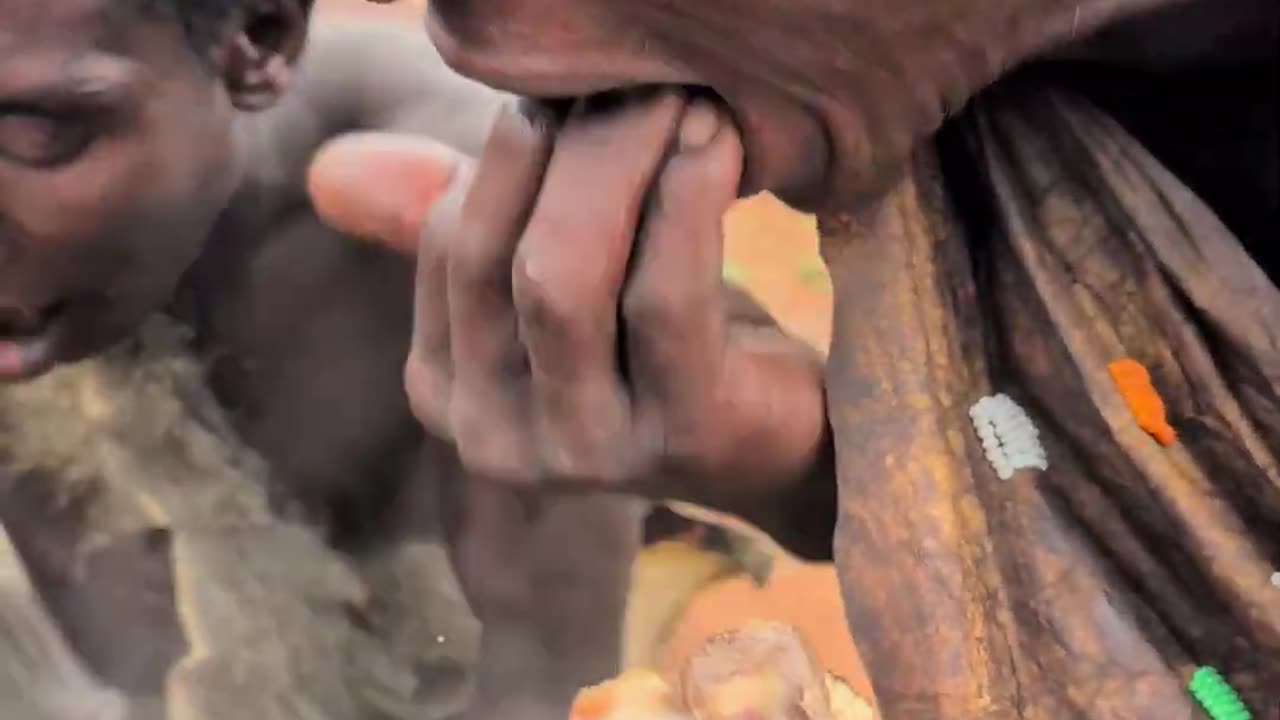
(380, 186)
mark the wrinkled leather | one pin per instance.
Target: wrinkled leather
(1039, 245)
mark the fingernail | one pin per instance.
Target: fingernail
(699, 126)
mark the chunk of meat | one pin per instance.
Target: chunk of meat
(763, 670)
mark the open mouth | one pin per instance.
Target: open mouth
(786, 148)
(26, 339)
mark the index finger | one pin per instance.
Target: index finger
(380, 186)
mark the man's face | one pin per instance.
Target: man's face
(830, 94)
(115, 158)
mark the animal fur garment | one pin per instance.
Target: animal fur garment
(146, 525)
(40, 677)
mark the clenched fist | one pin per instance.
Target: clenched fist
(571, 325)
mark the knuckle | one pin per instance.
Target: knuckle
(663, 324)
(490, 447)
(579, 469)
(666, 302)
(541, 302)
(582, 459)
(562, 291)
(482, 458)
(686, 185)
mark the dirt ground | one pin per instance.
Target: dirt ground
(681, 595)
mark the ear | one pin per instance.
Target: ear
(262, 42)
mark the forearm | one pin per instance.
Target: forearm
(548, 577)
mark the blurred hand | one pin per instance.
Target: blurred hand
(571, 325)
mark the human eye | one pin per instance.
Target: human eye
(40, 139)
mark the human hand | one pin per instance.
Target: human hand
(571, 325)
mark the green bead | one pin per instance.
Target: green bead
(1216, 696)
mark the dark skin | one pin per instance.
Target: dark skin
(792, 501)
(531, 530)
(654, 423)
(1006, 252)
(138, 176)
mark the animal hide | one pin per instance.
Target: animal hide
(1032, 245)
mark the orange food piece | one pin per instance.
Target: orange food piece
(805, 596)
(634, 695)
(761, 671)
(593, 703)
(1144, 401)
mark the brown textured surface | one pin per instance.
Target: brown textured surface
(1089, 590)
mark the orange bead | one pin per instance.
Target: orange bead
(1144, 401)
